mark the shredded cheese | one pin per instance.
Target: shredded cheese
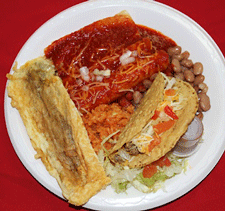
(143, 140)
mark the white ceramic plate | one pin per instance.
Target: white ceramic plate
(187, 34)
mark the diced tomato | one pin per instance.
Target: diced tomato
(156, 141)
(163, 161)
(169, 111)
(156, 115)
(167, 161)
(163, 126)
(170, 92)
(149, 171)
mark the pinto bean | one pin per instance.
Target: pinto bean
(176, 65)
(137, 96)
(200, 115)
(179, 76)
(153, 76)
(199, 79)
(189, 76)
(203, 87)
(185, 55)
(187, 63)
(147, 83)
(174, 50)
(198, 68)
(183, 68)
(196, 88)
(179, 57)
(204, 102)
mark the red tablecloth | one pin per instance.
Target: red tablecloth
(18, 189)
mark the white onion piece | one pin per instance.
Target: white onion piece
(84, 71)
(99, 78)
(185, 151)
(128, 60)
(86, 77)
(193, 134)
(125, 55)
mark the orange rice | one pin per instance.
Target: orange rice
(105, 120)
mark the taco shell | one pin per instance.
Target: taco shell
(142, 116)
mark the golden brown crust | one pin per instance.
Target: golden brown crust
(143, 115)
(56, 130)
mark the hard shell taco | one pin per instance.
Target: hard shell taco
(160, 120)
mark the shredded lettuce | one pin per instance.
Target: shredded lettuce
(124, 177)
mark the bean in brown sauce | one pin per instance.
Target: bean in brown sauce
(176, 65)
(189, 76)
(198, 68)
(187, 63)
(179, 76)
(203, 87)
(185, 55)
(204, 102)
(137, 96)
(174, 50)
(200, 115)
(184, 69)
(199, 79)
(179, 57)
(147, 83)
(153, 76)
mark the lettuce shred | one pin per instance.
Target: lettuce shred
(124, 177)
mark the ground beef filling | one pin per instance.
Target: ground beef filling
(104, 120)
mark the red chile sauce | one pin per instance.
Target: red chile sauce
(97, 43)
(159, 41)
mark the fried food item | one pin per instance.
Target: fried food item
(160, 120)
(56, 130)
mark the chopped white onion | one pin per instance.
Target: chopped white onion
(168, 82)
(106, 72)
(126, 58)
(84, 71)
(85, 77)
(99, 78)
(126, 55)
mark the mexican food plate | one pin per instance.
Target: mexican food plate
(187, 34)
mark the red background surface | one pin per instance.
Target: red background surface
(18, 189)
